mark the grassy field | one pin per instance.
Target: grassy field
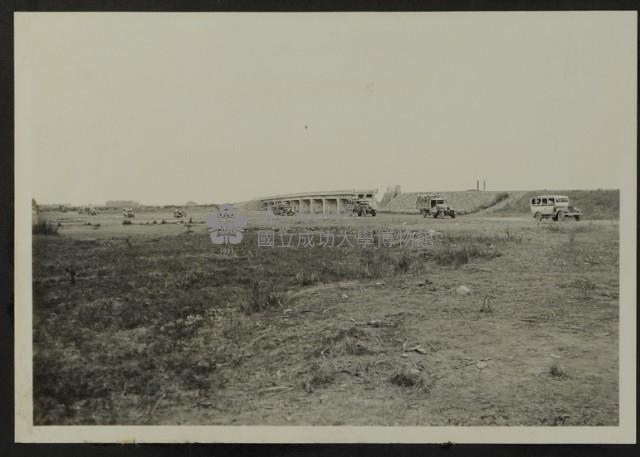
(148, 324)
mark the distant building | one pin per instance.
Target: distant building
(191, 203)
(121, 203)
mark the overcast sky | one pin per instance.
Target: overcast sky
(164, 108)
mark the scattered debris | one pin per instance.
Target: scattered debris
(463, 290)
(481, 363)
(418, 349)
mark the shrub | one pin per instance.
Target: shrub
(45, 228)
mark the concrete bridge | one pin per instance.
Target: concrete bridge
(329, 202)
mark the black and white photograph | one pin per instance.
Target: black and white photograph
(325, 227)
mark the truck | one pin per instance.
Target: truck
(88, 210)
(361, 207)
(434, 205)
(128, 213)
(283, 209)
(554, 207)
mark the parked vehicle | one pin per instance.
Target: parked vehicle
(555, 207)
(88, 210)
(283, 209)
(179, 213)
(434, 205)
(128, 213)
(361, 207)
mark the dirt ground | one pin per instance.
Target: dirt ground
(148, 324)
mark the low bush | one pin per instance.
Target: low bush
(45, 228)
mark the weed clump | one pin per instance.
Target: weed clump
(261, 298)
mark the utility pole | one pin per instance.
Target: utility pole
(477, 184)
(484, 185)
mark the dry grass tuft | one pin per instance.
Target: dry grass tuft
(320, 374)
(261, 298)
(458, 255)
(349, 341)
(411, 379)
